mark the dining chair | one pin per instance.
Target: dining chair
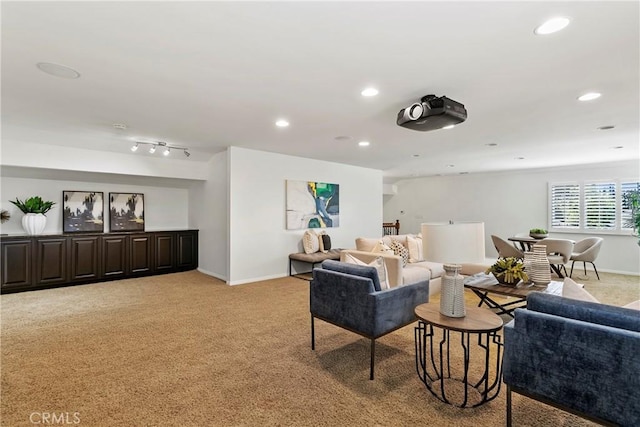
(505, 249)
(586, 250)
(558, 252)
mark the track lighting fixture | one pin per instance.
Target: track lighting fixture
(159, 144)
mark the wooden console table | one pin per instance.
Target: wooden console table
(46, 261)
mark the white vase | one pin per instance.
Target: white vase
(452, 292)
(34, 223)
(540, 268)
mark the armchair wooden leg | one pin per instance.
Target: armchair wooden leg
(596, 270)
(571, 274)
(373, 352)
(508, 406)
(313, 335)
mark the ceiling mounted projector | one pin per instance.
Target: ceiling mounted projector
(432, 112)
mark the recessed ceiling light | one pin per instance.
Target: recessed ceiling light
(282, 123)
(364, 143)
(119, 126)
(551, 26)
(519, 158)
(491, 144)
(618, 147)
(58, 70)
(415, 155)
(370, 91)
(589, 96)
(607, 127)
(342, 138)
(449, 127)
(450, 166)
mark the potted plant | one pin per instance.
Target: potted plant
(538, 233)
(632, 200)
(34, 209)
(508, 271)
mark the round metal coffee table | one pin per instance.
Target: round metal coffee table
(477, 369)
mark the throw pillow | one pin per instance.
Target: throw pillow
(633, 305)
(325, 242)
(321, 242)
(379, 265)
(571, 289)
(401, 251)
(382, 248)
(310, 242)
(414, 244)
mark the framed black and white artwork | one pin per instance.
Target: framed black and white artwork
(82, 212)
(126, 212)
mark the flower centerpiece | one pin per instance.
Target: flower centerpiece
(34, 209)
(508, 271)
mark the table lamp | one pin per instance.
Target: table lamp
(452, 244)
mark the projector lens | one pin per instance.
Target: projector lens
(415, 111)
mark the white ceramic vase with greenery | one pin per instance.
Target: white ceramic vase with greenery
(34, 208)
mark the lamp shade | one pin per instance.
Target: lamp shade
(460, 242)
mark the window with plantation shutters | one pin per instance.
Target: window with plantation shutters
(600, 206)
(627, 189)
(597, 207)
(565, 206)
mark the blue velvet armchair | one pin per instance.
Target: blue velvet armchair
(581, 357)
(349, 296)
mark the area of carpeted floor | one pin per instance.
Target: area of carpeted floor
(185, 349)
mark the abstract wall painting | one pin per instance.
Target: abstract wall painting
(82, 212)
(312, 205)
(126, 212)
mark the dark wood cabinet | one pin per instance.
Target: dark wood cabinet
(17, 265)
(50, 260)
(114, 256)
(165, 252)
(141, 250)
(187, 250)
(37, 262)
(84, 258)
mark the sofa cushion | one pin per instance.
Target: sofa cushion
(400, 238)
(436, 269)
(571, 289)
(380, 268)
(310, 242)
(412, 274)
(366, 244)
(382, 248)
(354, 269)
(414, 244)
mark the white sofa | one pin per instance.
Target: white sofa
(412, 272)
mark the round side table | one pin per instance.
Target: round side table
(433, 357)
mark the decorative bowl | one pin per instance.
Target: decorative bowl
(538, 235)
(501, 280)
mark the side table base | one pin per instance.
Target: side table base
(433, 364)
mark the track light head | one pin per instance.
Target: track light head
(134, 148)
(186, 153)
(152, 149)
(166, 151)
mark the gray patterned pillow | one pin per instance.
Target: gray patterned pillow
(399, 249)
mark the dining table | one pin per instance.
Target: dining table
(525, 243)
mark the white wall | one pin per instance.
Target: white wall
(508, 203)
(259, 242)
(165, 208)
(208, 212)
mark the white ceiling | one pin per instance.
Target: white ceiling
(208, 75)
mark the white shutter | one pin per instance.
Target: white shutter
(600, 206)
(565, 205)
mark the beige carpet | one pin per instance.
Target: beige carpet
(187, 350)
